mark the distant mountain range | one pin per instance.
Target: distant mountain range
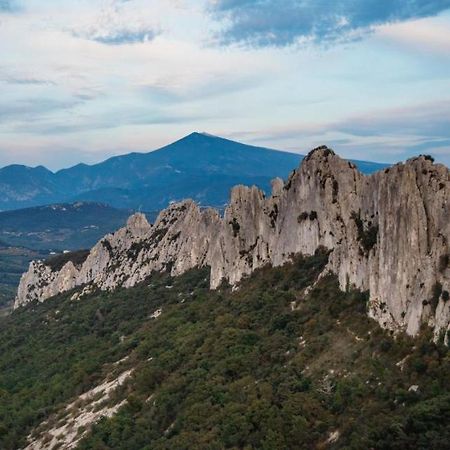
(198, 166)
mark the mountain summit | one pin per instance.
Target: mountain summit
(198, 166)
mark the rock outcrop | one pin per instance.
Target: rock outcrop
(388, 233)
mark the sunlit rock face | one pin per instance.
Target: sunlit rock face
(387, 233)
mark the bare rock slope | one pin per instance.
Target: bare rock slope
(388, 233)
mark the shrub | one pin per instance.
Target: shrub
(302, 217)
(235, 226)
(436, 294)
(366, 236)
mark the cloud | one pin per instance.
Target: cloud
(270, 23)
(420, 35)
(112, 120)
(30, 82)
(430, 120)
(27, 109)
(118, 37)
(215, 85)
(119, 22)
(24, 80)
(383, 135)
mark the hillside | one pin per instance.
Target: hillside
(198, 166)
(58, 227)
(175, 366)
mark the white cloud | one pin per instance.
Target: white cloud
(385, 135)
(119, 22)
(426, 35)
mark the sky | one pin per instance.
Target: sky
(83, 80)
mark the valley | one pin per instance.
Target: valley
(59, 227)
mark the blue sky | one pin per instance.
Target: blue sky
(84, 80)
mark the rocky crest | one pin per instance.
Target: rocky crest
(388, 233)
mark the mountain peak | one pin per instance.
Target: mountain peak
(196, 135)
(209, 135)
(321, 151)
(138, 225)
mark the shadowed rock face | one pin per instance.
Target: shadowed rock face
(388, 233)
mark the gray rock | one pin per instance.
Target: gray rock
(388, 233)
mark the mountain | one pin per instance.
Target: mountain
(387, 233)
(22, 186)
(199, 166)
(287, 361)
(60, 226)
(315, 318)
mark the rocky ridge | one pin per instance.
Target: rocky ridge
(387, 233)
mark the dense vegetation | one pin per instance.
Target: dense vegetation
(241, 370)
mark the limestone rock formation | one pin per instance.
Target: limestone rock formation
(387, 233)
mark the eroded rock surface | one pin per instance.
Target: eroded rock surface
(388, 233)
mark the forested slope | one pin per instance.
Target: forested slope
(268, 366)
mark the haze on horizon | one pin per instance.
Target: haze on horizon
(85, 80)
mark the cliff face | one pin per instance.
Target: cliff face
(388, 233)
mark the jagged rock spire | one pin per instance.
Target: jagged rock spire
(388, 233)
